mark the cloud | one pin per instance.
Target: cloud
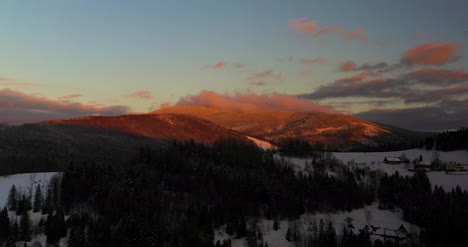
(9, 82)
(437, 76)
(349, 66)
(306, 72)
(17, 108)
(218, 65)
(244, 102)
(312, 60)
(411, 87)
(15, 83)
(430, 96)
(267, 74)
(71, 96)
(449, 114)
(142, 94)
(258, 83)
(436, 53)
(310, 27)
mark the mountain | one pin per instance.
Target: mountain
(337, 130)
(159, 126)
(206, 125)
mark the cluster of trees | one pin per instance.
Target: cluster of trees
(300, 148)
(448, 140)
(176, 197)
(443, 215)
(21, 227)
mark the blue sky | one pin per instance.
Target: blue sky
(108, 50)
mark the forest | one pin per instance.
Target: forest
(178, 196)
(448, 140)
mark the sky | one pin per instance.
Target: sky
(399, 62)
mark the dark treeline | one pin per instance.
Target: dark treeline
(51, 147)
(299, 148)
(442, 215)
(176, 197)
(449, 140)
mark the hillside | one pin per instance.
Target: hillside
(51, 147)
(336, 130)
(159, 126)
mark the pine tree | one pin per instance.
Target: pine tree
(4, 225)
(37, 205)
(25, 227)
(47, 205)
(20, 205)
(12, 198)
(275, 224)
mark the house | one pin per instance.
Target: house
(392, 160)
(399, 234)
(453, 167)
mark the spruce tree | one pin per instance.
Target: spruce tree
(275, 224)
(37, 205)
(4, 225)
(25, 227)
(12, 198)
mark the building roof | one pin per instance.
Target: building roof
(393, 159)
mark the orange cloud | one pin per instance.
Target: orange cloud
(244, 102)
(71, 96)
(348, 66)
(218, 65)
(142, 94)
(436, 53)
(303, 26)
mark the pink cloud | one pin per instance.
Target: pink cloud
(258, 83)
(312, 60)
(303, 26)
(267, 74)
(244, 102)
(218, 65)
(348, 66)
(71, 96)
(436, 53)
(142, 94)
(17, 107)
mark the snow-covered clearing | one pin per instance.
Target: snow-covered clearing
(260, 143)
(305, 224)
(23, 183)
(374, 160)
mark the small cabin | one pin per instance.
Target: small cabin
(399, 234)
(453, 167)
(392, 160)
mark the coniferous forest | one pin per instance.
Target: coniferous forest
(177, 197)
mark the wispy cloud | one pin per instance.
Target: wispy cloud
(71, 96)
(311, 28)
(217, 65)
(142, 94)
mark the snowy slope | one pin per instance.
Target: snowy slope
(22, 183)
(460, 156)
(374, 160)
(305, 224)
